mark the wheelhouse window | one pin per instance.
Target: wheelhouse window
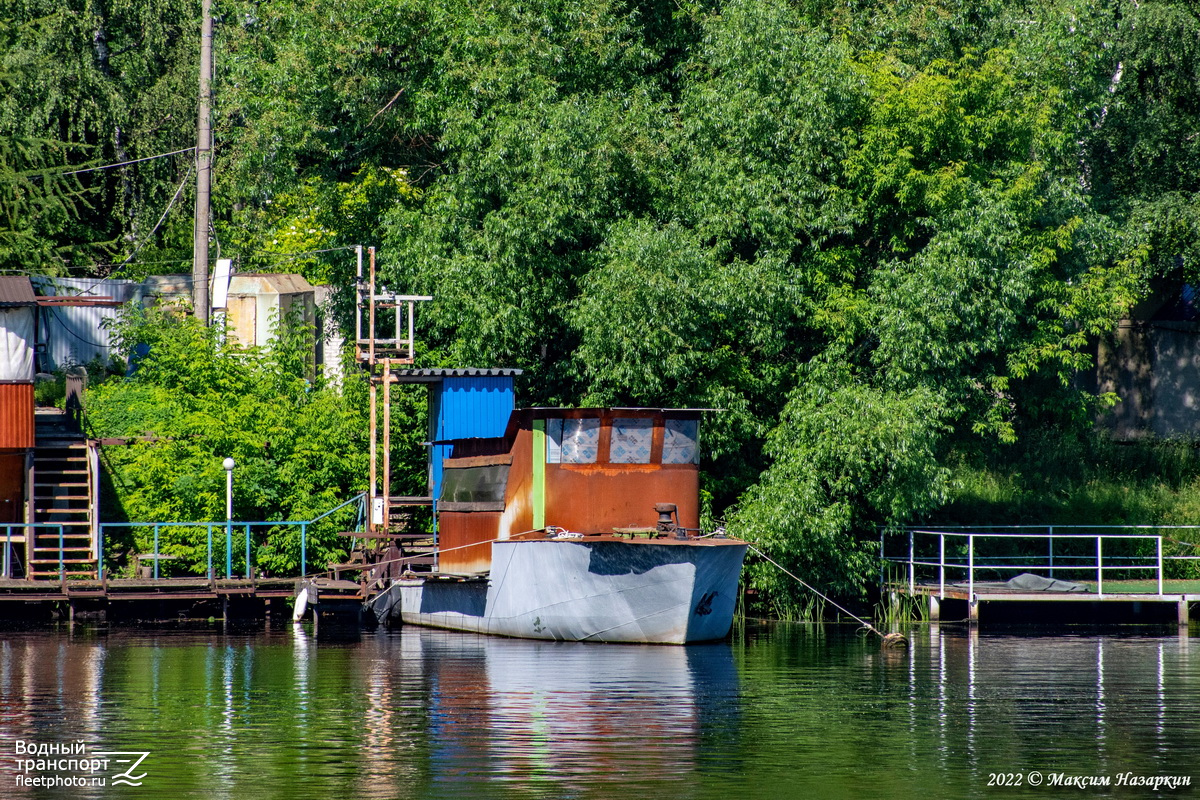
(475, 484)
(572, 441)
(680, 441)
(631, 440)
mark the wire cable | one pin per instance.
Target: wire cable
(123, 163)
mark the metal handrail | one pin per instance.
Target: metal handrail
(228, 525)
(1097, 562)
(6, 559)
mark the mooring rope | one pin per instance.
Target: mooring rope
(889, 639)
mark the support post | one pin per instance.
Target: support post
(973, 610)
(942, 566)
(935, 609)
(371, 315)
(7, 573)
(912, 568)
(303, 548)
(155, 552)
(971, 569)
(62, 574)
(358, 289)
(210, 566)
(1183, 611)
(1160, 566)
(1099, 567)
(1051, 551)
(386, 487)
(374, 456)
(249, 568)
(203, 168)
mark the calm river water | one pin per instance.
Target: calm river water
(785, 711)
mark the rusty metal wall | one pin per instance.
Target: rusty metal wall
(16, 415)
(595, 498)
(12, 485)
(458, 529)
(588, 498)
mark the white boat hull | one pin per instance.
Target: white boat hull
(663, 592)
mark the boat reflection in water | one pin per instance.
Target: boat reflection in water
(566, 711)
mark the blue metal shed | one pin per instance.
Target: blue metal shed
(464, 403)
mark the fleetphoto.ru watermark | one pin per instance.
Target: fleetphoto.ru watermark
(1066, 780)
(75, 764)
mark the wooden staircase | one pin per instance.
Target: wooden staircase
(401, 546)
(63, 494)
(415, 546)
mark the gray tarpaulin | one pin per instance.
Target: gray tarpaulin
(1026, 582)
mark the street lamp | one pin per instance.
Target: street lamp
(228, 464)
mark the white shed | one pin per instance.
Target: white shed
(257, 301)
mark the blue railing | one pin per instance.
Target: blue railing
(229, 526)
(6, 559)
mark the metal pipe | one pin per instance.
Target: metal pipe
(210, 568)
(155, 552)
(386, 488)
(412, 338)
(1099, 567)
(303, 546)
(1160, 566)
(371, 299)
(374, 455)
(358, 294)
(7, 547)
(912, 570)
(62, 576)
(970, 567)
(249, 571)
(942, 565)
(1051, 527)
(229, 465)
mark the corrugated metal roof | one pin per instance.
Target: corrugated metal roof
(256, 283)
(464, 372)
(467, 406)
(16, 290)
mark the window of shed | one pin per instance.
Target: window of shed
(680, 441)
(572, 441)
(631, 438)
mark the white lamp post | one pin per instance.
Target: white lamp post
(229, 464)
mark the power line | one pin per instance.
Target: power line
(123, 163)
(149, 236)
(67, 327)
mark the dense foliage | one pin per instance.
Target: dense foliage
(196, 400)
(881, 236)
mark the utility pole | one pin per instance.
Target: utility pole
(203, 168)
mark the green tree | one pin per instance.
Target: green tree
(195, 400)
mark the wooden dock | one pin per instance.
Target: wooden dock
(172, 599)
(967, 602)
(1047, 573)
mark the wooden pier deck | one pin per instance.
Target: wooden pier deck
(168, 598)
(1179, 593)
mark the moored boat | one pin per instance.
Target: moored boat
(577, 525)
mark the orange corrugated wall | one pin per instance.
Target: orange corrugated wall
(16, 415)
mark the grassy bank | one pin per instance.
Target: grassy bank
(1048, 479)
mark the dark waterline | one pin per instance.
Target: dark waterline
(786, 711)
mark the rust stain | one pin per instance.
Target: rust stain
(16, 415)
